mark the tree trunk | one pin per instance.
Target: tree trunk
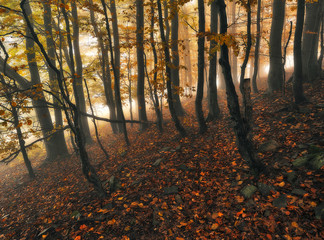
(117, 59)
(201, 63)
(39, 104)
(257, 49)
(234, 57)
(175, 57)
(275, 77)
(59, 135)
(106, 76)
(310, 40)
(165, 45)
(140, 64)
(78, 77)
(298, 65)
(244, 143)
(214, 111)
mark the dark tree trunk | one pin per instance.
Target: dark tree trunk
(201, 64)
(244, 143)
(41, 108)
(140, 64)
(257, 49)
(106, 77)
(175, 57)
(59, 135)
(275, 77)
(310, 40)
(298, 65)
(173, 113)
(155, 96)
(117, 60)
(119, 106)
(78, 77)
(214, 111)
(248, 46)
(87, 169)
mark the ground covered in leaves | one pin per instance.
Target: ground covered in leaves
(168, 187)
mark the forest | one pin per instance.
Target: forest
(161, 119)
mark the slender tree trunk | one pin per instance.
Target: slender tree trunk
(39, 104)
(244, 143)
(106, 77)
(275, 77)
(175, 57)
(155, 96)
(310, 39)
(298, 65)
(87, 169)
(257, 49)
(116, 58)
(165, 44)
(214, 111)
(234, 57)
(78, 77)
(201, 63)
(59, 136)
(140, 64)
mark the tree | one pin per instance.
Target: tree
(257, 49)
(275, 77)
(311, 69)
(244, 143)
(298, 65)
(201, 64)
(140, 64)
(175, 57)
(165, 45)
(213, 107)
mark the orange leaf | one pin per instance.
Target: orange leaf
(281, 184)
(294, 224)
(77, 238)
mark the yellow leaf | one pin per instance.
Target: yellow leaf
(294, 224)
(127, 228)
(214, 226)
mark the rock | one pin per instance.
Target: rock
(76, 215)
(178, 199)
(170, 190)
(269, 146)
(319, 211)
(184, 167)
(298, 192)
(157, 162)
(266, 213)
(178, 148)
(250, 203)
(248, 191)
(321, 105)
(317, 161)
(280, 202)
(291, 177)
(264, 189)
(165, 149)
(301, 161)
(114, 184)
(302, 146)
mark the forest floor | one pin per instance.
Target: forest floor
(168, 187)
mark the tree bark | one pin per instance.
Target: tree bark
(214, 111)
(244, 143)
(140, 64)
(275, 77)
(175, 58)
(78, 77)
(40, 106)
(298, 65)
(165, 44)
(257, 49)
(310, 40)
(59, 135)
(106, 76)
(201, 64)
